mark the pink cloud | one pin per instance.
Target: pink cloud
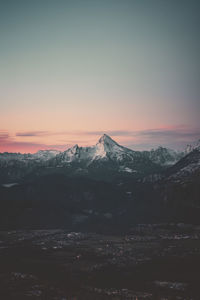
(32, 141)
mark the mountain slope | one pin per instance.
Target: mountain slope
(186, 168)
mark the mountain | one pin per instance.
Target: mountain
(105, 160)
(164, 156)
(44, 155)
(178, 190)
(15, 166)
(193, 146)
(40, 155)
(186, 168)
(102, 187)
(106, 149)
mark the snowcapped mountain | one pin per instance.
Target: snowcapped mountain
(40, 155)
(164, 156)
(45, 154)
(187, 167)
(106, 157)
(105, 149)
(15, 166)
(108, 148)
(193, 146)
(179, 187)
(6, 156)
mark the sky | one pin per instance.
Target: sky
(73, 70)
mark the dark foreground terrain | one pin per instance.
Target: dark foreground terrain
(149, 262)
(99, 251)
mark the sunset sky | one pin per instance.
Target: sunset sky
(73, 70)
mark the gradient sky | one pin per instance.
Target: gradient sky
(72, 70)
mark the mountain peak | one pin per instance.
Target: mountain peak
(75, 146)
(106, 139)
(73, 149)
(193, 146)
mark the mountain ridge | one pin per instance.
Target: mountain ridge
(105, 158)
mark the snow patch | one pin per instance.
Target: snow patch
(9, 185)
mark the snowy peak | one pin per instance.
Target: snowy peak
(69, 155)
(73, 149)
(164, 156)
(193, 146)
(106, 139)
(107, 147)
(45, 154)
